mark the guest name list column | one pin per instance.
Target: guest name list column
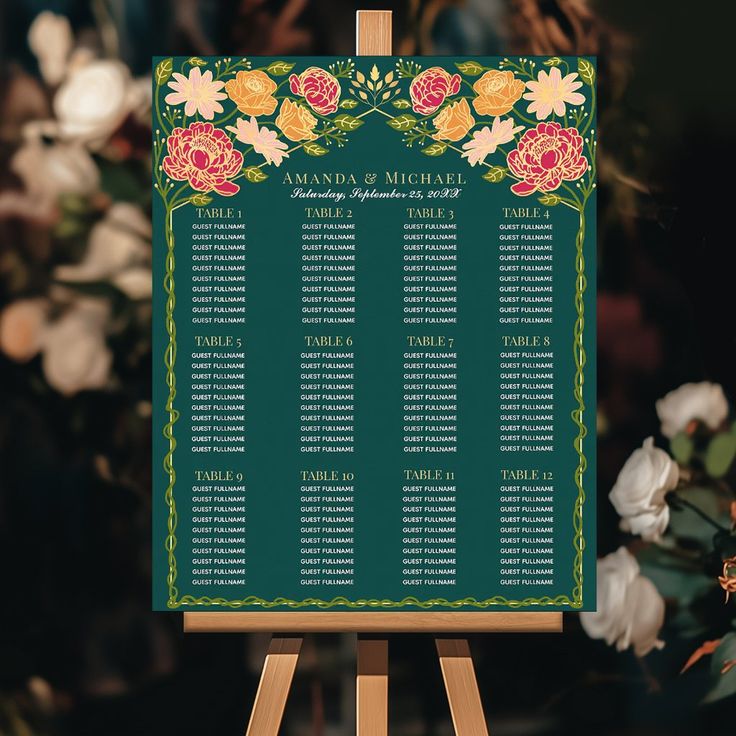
(217, 409)
(327, 383)
(527, 397)
(431, 241)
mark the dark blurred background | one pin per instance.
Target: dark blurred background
(80, 651)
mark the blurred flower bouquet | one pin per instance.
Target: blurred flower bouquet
(82, 169)
(680, 507)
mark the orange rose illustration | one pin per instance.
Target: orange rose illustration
(497, 92)
(454, 122)
(252, 92)
(296, 122)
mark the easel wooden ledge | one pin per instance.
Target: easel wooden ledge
(373, 39)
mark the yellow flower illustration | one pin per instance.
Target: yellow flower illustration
(296, 122)
(252, 92)
(497, 92)
(454, 122)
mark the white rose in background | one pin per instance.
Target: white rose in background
(640, 489)
(131, 216)
(93, 101)
(51, 40)
(80, 57)
(702, 401)
(135, 283)
(22, 328)
(140, 99)
(75, 355)
(119, 251)
(49, 169)
(630, 609)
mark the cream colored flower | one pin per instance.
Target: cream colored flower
(136, 283)
(264, 141)
(22, 327)
(640, 489)
(702, 401)
(198, 92)
(93, 102)
(630, 608)
(140, 98)
(75, 355)
(51, 169)
(50, 38)
(551, 92)
(118, 251)
(486, 140)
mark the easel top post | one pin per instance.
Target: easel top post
(373, 32)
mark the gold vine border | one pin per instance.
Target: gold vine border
(577, 416)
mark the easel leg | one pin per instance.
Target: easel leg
(372, 687)
(273, 689)
(462, 687)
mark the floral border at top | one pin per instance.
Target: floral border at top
(533, 127)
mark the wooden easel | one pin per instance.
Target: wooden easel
(466, 708)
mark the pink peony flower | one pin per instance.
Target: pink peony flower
(204, 156)
(429, 89)
(545, 157)
(319, 88)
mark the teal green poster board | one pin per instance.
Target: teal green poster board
(374, 332)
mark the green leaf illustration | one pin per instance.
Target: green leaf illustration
(200, 199)
(554, 61)
(163, 71)
(348, 104)
(720, 455)
(407, 69)
(402, 122)
(254, 175)
(196, 61)
(401, 104)
(471, 68)
(586, 71)
(347, 122)
(436, 149)
(549, 200)
(279, 68)
(682, 447)
(342, 69)
(495, 174)
(314, 149)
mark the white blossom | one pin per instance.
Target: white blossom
(51, 40)
(630, 610)
(704, 401)
(93, 101)
(640, 489)
(75, 354)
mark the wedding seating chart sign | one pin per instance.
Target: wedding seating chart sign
(374, 334)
